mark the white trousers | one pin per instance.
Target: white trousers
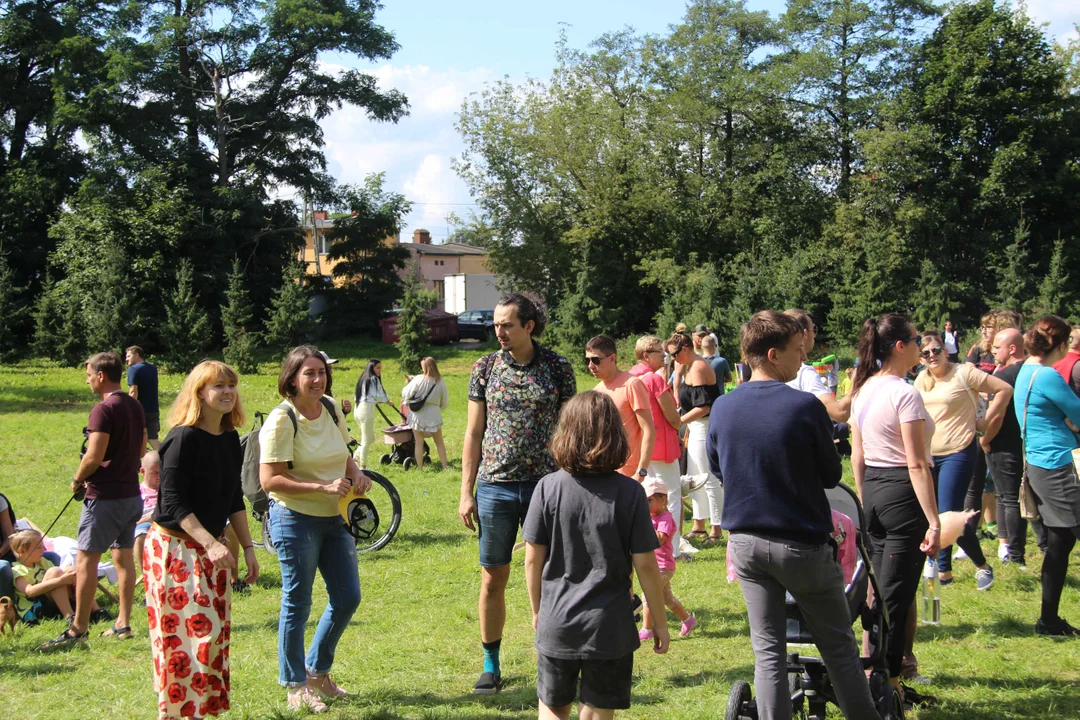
(709, 501)
(364, 412)
(669, 473)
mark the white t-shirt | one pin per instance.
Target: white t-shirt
(950, 343)
(809, 380)
(882, 404)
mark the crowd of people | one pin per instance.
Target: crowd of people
(595, 482)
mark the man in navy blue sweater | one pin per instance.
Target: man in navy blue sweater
(771, 446)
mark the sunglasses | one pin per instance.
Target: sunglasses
(935, 351)
(595, 360)
(917, 340)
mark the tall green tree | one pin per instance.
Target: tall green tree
(237, 322)
(187, 332)
(367, 258)
(12, 310)
(1055, 293)
(412, 330)
(289, 324)
(1014, 272)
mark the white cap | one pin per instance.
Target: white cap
(327, 359)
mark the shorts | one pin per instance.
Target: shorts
(142, 528)
(605, 684)
(108, 524)
(153, 426)
(500, 511)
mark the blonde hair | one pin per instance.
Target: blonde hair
(187, 408)
(430, 368)
(24, 540)
(647, 344)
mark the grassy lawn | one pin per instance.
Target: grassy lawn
(413, 648)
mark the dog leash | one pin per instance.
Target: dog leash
(75, 496)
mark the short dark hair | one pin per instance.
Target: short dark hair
(108, 363)
(1048, 333)
(290, 366)
(765, 331)
(602, 344)
(590, 437)
(135, 349)
(528, 308)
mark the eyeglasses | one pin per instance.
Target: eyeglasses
(917, 340)
(931, 351)
(595, 360)
(654, 352)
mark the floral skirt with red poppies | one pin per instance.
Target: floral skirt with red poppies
(189, 606)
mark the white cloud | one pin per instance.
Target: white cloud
(415, 152)
(1061, 17)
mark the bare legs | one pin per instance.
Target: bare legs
(418, 451)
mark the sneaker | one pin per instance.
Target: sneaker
(918, 679)
(688, 624)
(239, 586)
(635, 607)
(488, 684)
(1003, 552)
(306, 697)
(1061, 628)
(958, 553)
(66, 639)
(325, 686)
(644, 635)
(984, 579)
(990, 530)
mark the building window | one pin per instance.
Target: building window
(322, 244)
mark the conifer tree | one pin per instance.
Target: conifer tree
(1015, 271)
(1054, 295)
(412, 331)
(108, 314)
(236, 319)
(11, 311)
(933, 299)
(187, 332)
(288, 324)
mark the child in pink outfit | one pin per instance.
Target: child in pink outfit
(666, 529)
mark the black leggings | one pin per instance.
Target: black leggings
(1060, 542)
(897, 526)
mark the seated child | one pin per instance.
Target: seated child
(664, 525)
(587, 528)
(42, 589)
(148, 489)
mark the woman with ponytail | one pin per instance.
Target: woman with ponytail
(1044, 406)
(890, 439)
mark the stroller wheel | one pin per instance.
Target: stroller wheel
(408, 463)
(887, 697)
(738, 699)
(386, 459)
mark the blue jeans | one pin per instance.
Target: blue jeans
(500, 510)
(305, 543)
(952, 476)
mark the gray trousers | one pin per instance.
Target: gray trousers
(766, 567)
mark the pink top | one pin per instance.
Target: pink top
(667, 448)
(878, 410)
(847, 551)
(665, 555)
(149, 498)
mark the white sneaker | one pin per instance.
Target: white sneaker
(1003, 552)
(958, 553)
(685, 548)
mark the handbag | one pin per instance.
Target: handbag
(417, 405)
(1029, 507)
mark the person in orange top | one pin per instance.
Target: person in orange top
(1069, 366)
(631, 398)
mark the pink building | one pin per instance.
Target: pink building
(434, 262)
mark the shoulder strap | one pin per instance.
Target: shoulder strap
(967, 388)
(326, 403)
(1027, 399)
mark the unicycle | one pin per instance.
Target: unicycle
(374, 517)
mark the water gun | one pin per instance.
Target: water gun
(825, 364)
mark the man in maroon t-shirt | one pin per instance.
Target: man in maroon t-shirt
(109, 471)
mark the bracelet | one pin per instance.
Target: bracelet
(248, 547)
(935, 529)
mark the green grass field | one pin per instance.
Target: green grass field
(413, 649)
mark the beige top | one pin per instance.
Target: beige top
(952, 406)
(319, 453)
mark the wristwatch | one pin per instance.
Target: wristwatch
(642, 472)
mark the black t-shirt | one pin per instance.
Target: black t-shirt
(200, 475)
(983, 360)
(1008, 438)
(122, 418)
(591, 525)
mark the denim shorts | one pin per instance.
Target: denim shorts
(108, 524)
(501, 509)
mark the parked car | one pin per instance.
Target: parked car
(476, 324)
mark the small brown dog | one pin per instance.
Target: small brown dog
(8, 615)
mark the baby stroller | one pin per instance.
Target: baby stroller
(808, 679)
(401, 438)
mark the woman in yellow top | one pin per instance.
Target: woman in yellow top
(306, 467)
(950, 393)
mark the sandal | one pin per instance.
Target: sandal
(123, 633)
(325, 685)
(305, 697)
(713, 539)
(697, 534)
(66, 639)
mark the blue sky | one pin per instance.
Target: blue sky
(449, 50)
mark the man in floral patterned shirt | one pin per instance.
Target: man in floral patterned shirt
(514, 400)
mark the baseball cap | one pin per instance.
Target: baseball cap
(700, 329)
(654, 486)
(327, 359)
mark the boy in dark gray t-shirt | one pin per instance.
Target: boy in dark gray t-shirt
(588, 528)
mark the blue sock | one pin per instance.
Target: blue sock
(491, 657)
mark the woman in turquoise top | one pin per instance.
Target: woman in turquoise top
(1049, 404)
